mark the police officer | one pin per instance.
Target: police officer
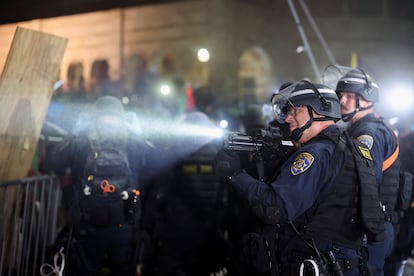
(184, 208)
(358, 93)
(325, 196)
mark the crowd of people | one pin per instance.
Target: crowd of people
(161, 195)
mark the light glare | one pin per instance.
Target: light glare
(203, 55)
(165, 89)
(224, 123)
(400, 98)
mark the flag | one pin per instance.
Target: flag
(357, 61)
(354, 60)
(190, 101)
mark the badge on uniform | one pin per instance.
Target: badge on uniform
(368, 140)
(365, 153)
(301, 163)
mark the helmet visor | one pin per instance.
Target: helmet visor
(333, 73)
(281, 102)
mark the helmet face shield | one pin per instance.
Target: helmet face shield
(348, 79)
(333, 73)
(281, 103)
(320, 98)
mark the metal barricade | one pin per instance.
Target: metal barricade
(28, 223)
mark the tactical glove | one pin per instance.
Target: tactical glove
(227, 163)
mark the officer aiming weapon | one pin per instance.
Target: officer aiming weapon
(264, 141)
(268, 146)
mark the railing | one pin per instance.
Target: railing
(28, 223)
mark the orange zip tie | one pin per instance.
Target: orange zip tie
(136, 192)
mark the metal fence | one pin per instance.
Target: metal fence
(29, 210)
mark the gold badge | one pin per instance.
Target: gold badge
(301, 163)
(365, 153)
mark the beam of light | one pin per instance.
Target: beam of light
(174, 138)
(154, 127)
(199, 131)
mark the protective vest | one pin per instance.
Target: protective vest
(390, 181)
(351, 207)
(388, 189)
(197, 183)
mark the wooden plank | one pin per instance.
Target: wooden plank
(26, 86)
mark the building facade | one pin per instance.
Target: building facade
(254, 46)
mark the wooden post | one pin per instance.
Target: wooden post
(26, 86)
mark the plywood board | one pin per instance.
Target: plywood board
(26, 86)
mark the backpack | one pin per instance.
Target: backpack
(107, 192)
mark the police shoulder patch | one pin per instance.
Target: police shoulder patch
(365, 152)
(368, 140)
(302, 163)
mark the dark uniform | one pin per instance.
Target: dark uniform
(184, 208)
(96, 246)
(299, 188)
(383, 144)
(319, 196)
(404, 245)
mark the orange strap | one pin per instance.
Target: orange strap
(390, 160)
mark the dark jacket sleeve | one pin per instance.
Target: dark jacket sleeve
(69, 153)
(58, 158)
(137, 154)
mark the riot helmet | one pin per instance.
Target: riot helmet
(317, 97)
(353, 80)
(360, 83)
(109, 105)
(109, 119)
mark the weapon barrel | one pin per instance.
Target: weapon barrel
(242, 142)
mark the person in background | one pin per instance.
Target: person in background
(74, 88)
(101, 82)
(69, 102)
(185, 206)
(404, 240)
(105, 162)
(358, 93)
(138, 83)
(70, 99)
